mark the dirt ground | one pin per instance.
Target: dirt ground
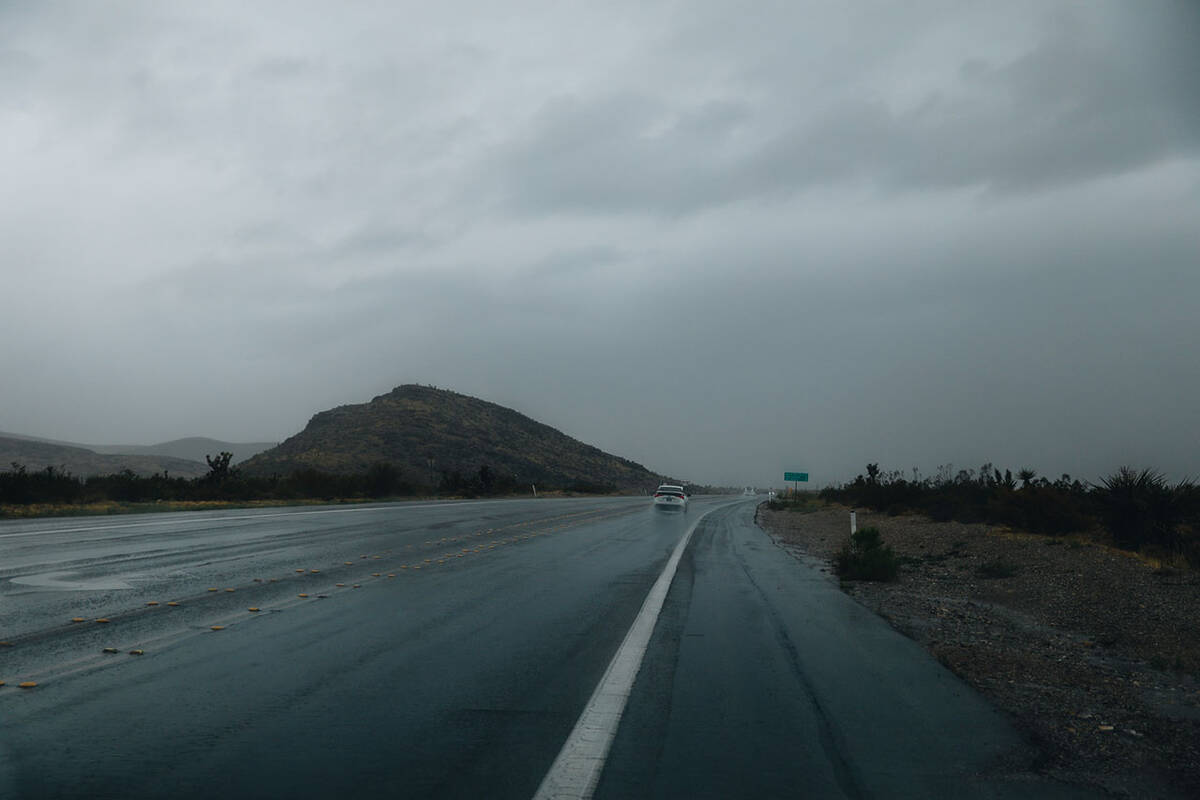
(1094, 652)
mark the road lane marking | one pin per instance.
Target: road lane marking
(576, 771)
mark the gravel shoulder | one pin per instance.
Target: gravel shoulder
(1094, 652)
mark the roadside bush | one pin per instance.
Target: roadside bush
(804, 504)
(1140, 508)
(866, 558)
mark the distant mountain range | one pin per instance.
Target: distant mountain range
(182, 458)
(427, 431)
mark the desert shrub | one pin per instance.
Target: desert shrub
(1140, 508)
(866, 558)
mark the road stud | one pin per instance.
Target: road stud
(152, 603)
(77, 619)
(302, 594)
(357, 586)
(314, 571)
(254, 609)
(110, 650)
(137, 652)
(172, 603)
(213, 589)
(374, 574)
(231, 590)
(300, 571)
(27, 684)
(217, 627)
(103, 620)
(340, 585)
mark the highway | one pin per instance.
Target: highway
(449, 650)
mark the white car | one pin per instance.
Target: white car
(668, 496)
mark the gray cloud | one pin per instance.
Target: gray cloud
(723, 242)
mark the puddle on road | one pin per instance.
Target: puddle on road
(61, 581)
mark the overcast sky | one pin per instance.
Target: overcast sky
(723, 239)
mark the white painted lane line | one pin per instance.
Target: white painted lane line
(576, 771)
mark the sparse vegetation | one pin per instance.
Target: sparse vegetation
(1136, 510)
(55, 491)
(802, 503)
(866, 558)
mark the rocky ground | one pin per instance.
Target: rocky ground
(1094, 652)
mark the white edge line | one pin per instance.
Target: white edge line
(576, 771)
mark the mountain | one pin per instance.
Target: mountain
(36, 455)
(413, 424)
(193, 448)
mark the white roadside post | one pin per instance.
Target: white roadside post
(853, 522)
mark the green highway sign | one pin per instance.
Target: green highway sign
(795, 476)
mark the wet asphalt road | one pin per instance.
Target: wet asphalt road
(446, 650)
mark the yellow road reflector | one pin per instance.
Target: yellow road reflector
(340, 585)
(217, 627)
(253, 608)
(429, 561)
(314, 571)
(27, 684)
(231, 590)
(357, 586)
(302, 594)
(348, 563)
(1, 683)
(137, 652)
(172, 603)
(391, 574)
(102, 620)
(374, 574)
(299, 570)
(152, 603)
(109, 650)
(404, 566)
(77, 619)
(212, 589)
(416, 566)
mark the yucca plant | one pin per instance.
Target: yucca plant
(1140, 507)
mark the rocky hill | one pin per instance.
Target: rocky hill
(427, 432)
(36, 455)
